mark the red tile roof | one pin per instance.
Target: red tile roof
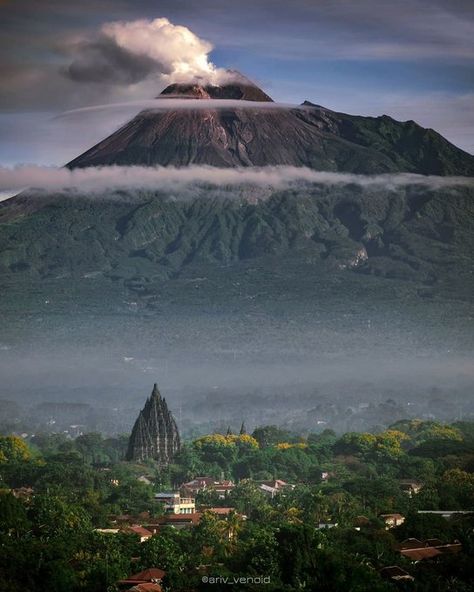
(433, 542)
(142, 532)
(221, 511)
(147, 587)
(450, 548)
(275, 483)
(421, 553)
(199, 483)
(150, 575)
(194, 518)
(416, 550)
(396, 516)
(411, 544)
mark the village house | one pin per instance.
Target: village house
(222, 512)
(410, 486)
(173, 503)
(326, 525)
(416, 550)
(23, 493)
(142, 532)
(177, 521)
(200, 484)
(447, 514)
(148, 580)
(129, 519)
(272, 488)
(392, 520)
(396, 574)
(146, 587)
(144, 479)
(137, 529)
(107, 530)
(361, 522)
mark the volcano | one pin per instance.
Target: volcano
(297, 275)
(238, 124)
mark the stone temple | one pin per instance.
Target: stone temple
(155, 433)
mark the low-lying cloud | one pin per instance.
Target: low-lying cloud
(176, 104)
(130, 52)
(99, 179)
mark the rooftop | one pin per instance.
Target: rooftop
(151, 575)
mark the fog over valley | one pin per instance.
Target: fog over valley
(273, 295)
(220, 362)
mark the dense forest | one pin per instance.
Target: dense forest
(324, 532)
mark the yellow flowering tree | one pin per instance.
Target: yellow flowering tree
(13, 449)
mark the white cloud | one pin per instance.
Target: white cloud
(100, 179)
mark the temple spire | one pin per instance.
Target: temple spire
(155, 433)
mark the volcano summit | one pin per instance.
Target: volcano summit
(237, 124)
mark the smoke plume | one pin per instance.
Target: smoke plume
(130, 52)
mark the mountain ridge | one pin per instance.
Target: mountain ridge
(307, 136)
(406, 233)
(143, 241)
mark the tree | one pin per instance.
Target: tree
(297, 545)
(131, 496)
(232, 526)
(258, 552)
(104, 559)
(165, 552)
(270, 435)
(216, 448)
(377, 495)
(91, 447)
(354, 443)
(53, 516)
(424, 526)
(456, 487)
(389, 444)
(13, 449)
(249, 500)
(66, 472)
(210, 538)
(13, 517)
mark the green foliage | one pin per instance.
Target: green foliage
(13, 516)
(248, 499)
(457, 489)
(258, 552)
(48, 541)
(270, 435)
(425, 526)
(13, 449)
(421, 431)
(168, 552)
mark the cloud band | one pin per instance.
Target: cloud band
(100, 179)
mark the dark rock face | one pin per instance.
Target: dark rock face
(242, 91)
(309, 136)
(155, 433)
